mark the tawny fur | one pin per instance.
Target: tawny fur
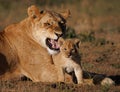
(69, 59)
(23, 50)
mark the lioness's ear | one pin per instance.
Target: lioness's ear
(33, 11)
(61, 41)
(66, 14)
(77, 42)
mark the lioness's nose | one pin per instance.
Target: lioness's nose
(59, 35)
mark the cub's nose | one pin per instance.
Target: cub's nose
(69, 54)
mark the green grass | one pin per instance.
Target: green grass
(70, 33)
(105, 88)
(117, 66)
(87, 36)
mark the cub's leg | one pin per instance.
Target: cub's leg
(79, 75)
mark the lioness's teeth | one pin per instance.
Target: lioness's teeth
(53, 43)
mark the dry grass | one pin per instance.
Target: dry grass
(29, 86)
(99, 55)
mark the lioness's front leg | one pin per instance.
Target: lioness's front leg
(61, 74)
(11, 75)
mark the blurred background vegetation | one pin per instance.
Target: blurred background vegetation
(89, 18)
(95, 22)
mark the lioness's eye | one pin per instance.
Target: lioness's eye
(61, 22)
(47, 24)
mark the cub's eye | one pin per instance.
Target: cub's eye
(52, 23)
(48, 24)
(73, 50)
(65, 49)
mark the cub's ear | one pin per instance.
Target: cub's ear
(61, 41)
(33, 11)
(77, 42)
(65, 14)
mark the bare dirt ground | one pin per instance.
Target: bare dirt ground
(95, 23)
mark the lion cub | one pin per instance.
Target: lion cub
(68, 59)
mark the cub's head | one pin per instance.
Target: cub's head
(69, 47)
(47, 27)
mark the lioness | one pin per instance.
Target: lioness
(68, 59)
(26, 47)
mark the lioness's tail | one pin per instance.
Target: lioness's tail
(102, 79)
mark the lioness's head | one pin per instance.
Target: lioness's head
(69, 47)
(47, 27)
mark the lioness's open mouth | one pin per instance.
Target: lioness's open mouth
(52, 44)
